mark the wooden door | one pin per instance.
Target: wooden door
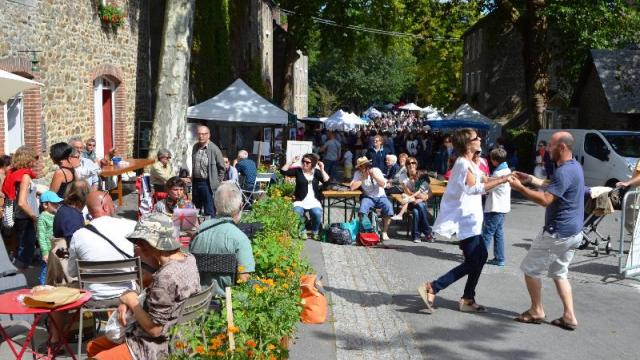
(107, 120)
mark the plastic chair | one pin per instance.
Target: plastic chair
(106, 272)
(260, 186)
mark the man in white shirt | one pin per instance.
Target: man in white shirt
(495, 208)
(372, 183)
(88, 245)
(88, 170)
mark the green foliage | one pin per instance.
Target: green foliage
(266, 308)
(524, 141)
(211, 51)
(371, 76)
(439, 66)
(111, 14)
(585, 25)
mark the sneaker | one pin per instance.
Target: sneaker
(429, 238)
(396, 218)
(495, 262)
(417, 240)
(315, 237)
(385, 237)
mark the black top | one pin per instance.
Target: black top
(302, 184)
(63, 186)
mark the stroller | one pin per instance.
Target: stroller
(599, 202)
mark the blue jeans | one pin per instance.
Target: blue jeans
(382, 203)
(420, 222)
(492, 232)
(475, 255)
(26, 236)
(43, 273)
(203, 197)
(316, 217)
(331, 168)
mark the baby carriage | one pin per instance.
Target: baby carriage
(599, 202)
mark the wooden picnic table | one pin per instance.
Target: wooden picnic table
(334, 197)
(437, 188)
(111, 170)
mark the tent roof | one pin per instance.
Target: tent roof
(239, 104)
(411, 107)
(466, 112)
(457, 123)
(12, 84)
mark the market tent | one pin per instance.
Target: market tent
(456, 123)
(372, 113)
(467, 113)
(410, 107)
(239, 105)
(12, 84)
(341, 120)
(431, 113)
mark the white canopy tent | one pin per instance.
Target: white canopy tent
(341, 120)
(431, 113)
(466, 112)
(410, 107)
(239, 105)
(12, 84)
(372, 113)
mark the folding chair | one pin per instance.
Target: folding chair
(106, 272)
(193, 308)
(259, 189)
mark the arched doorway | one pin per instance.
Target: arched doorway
(105, 110)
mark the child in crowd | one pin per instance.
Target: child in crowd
(497, 205)
(347, 159)
(50, 202)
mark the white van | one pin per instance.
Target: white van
(607, 156)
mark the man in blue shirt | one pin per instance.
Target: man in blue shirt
(553, 249)
(247, 168)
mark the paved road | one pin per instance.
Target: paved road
(377, 313)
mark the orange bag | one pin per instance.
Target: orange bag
(314, 304)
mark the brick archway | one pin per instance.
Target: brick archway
(115, 75)
(32, 102)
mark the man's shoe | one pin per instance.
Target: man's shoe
(429, 238)
(495, 262)
(417, 240)
(315, 236)
(385, 237)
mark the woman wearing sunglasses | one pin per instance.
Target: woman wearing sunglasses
(461, 214)
(307, 192)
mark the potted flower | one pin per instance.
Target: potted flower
(111, 14)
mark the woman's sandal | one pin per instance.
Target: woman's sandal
(527, 318)
(471, 307)
(428, 295)
(563, 324)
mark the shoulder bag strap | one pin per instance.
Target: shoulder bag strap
(212, 226)
(95, 231)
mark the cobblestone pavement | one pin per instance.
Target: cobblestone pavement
(361, 290)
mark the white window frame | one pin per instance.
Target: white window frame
(20, 96)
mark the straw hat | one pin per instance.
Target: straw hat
(362, 161)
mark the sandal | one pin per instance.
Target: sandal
(471, 307)
(563, 324)
(428, 295)
(527, 318)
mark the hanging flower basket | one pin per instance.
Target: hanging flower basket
(110, 14)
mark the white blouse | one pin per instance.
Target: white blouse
(461, 206)
(309, 201)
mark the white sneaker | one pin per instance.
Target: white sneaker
(385, 237)
(396, 218)
(417, 241)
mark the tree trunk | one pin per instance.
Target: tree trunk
(170, 125)
(536, 62)
(286, 95)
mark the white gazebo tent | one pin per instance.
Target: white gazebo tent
(343, 121)
(373, 113)
(410, 107)
(239, 105)
(12, 84)
(430, 113)
(466, 112)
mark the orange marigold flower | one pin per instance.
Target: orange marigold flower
(285, 285)
(241, 268)
(200, 349)
(271, 347)
(250, 353)
(220, 353)
(234, 330)
(216, 343)
(272, 357)
(250, 343)
(180, 345)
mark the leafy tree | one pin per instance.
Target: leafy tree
(370, 76)
(440, 51)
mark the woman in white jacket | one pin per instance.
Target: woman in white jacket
(461, 214)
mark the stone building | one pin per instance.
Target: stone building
(608, 94)
(88, 68)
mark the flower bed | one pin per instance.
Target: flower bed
(267, 308)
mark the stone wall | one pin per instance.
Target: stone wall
(75, 48)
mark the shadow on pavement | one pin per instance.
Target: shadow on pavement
(429, 252)
(362, 298)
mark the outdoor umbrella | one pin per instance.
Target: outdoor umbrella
(12, 84)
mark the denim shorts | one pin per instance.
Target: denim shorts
(551, 254)
(382, 203)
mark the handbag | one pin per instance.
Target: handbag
(314, 303)
(368, 239)
(114, 330)
(339, 236)
(8, 220)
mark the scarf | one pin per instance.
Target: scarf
(14, 177)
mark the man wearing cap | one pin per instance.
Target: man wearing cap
(175, 281)
(372, 183)
(221, 236)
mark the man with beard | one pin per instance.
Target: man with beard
(554, 247)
